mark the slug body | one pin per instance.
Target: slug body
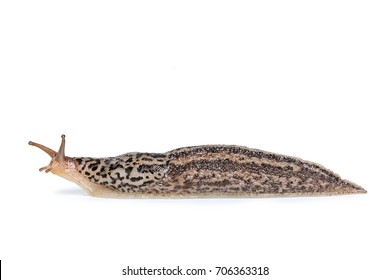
(201, 171)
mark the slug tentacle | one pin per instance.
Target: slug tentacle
(57, 157)
(60, 156)
(202, 171)
(47, 150)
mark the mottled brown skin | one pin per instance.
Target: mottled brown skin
(212, 171)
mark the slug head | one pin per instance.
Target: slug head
(68, 168)
(60, 164)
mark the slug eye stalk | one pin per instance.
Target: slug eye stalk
(56, 157)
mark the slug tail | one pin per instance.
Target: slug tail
(352, 188)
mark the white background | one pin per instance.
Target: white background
(302, 78)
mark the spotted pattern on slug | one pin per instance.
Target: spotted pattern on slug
(129, 173)
(213, 171)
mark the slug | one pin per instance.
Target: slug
(201, 171)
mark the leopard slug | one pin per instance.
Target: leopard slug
(201, 171)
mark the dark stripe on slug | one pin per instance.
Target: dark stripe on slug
(227, 165)
(148, 182)
(192, 151)
(158, 155)
(150, 168)
(136, 179)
